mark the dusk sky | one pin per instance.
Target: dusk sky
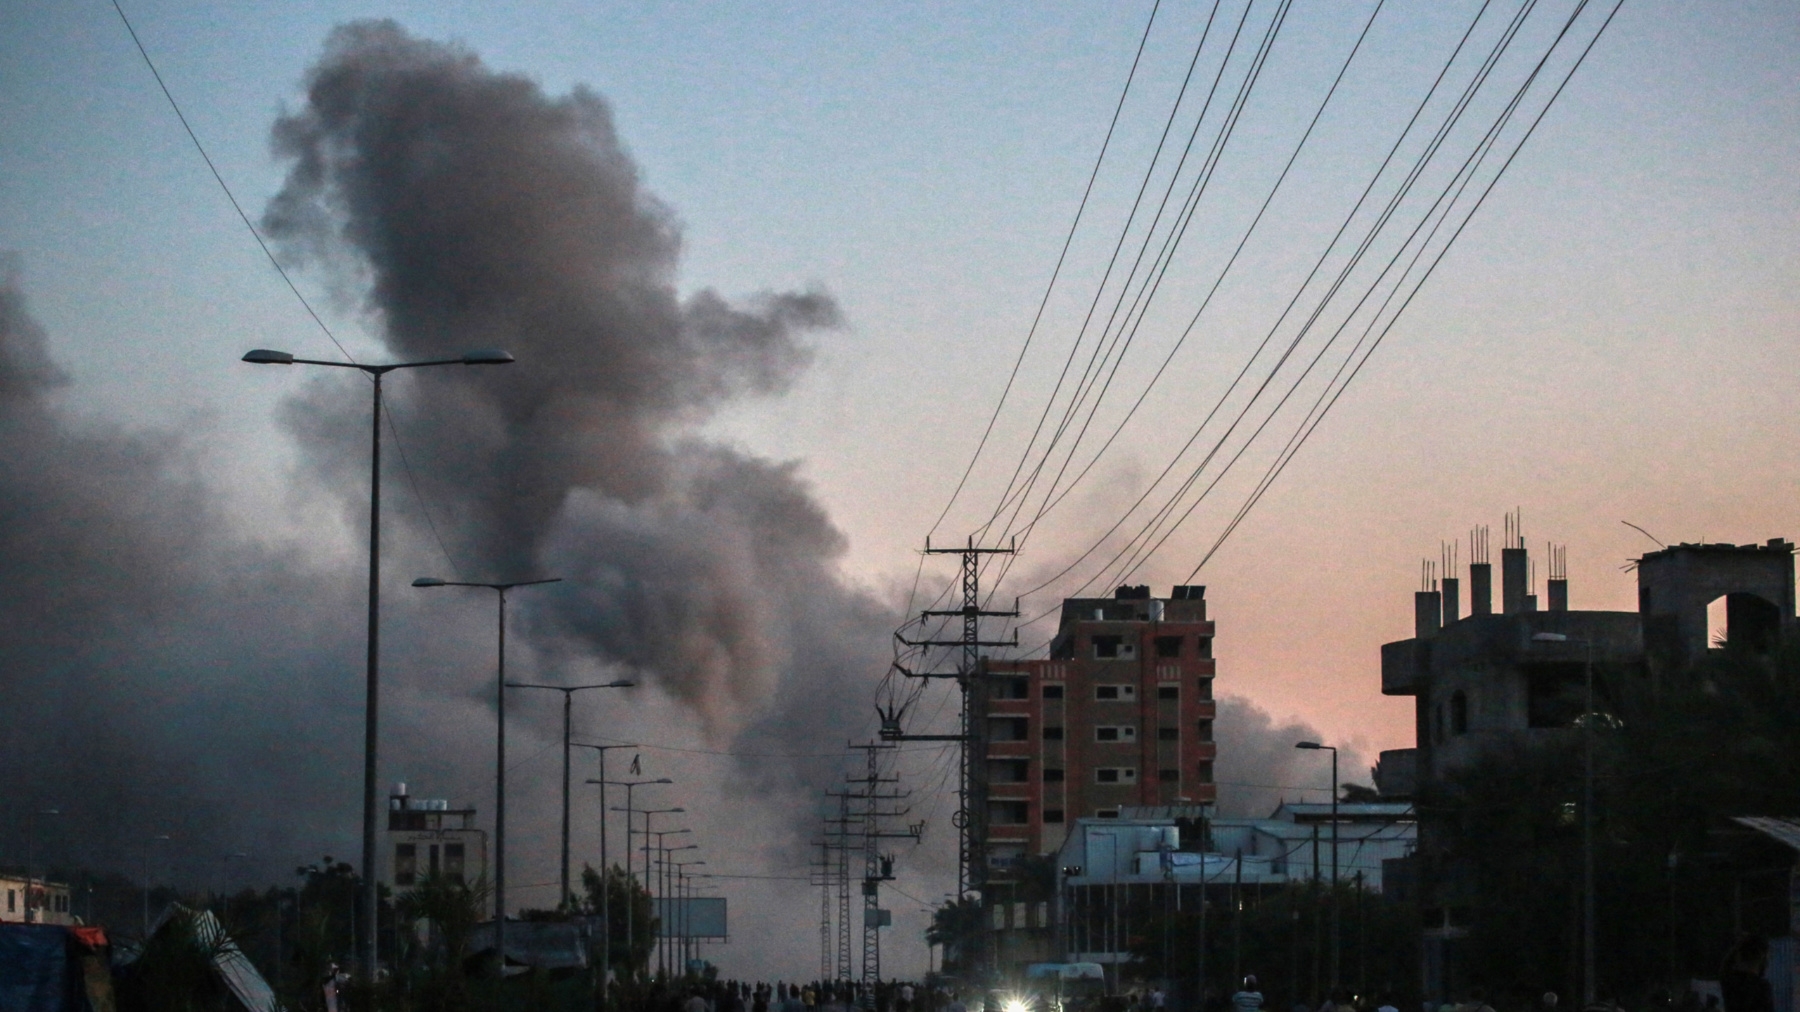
(1610, 339)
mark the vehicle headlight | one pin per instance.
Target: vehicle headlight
(1014, 1003)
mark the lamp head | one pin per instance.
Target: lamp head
(664, 780)
(1549, 637)
(263, 356)
(487, 356)
(428, 581)
(620, 684)
(1307, 744)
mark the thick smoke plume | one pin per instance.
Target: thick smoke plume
(145, 686)
(1259, 767)
(482, 212)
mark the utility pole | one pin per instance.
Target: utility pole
(877, 867)
(970, 818)
(844, 968)
(834, 883)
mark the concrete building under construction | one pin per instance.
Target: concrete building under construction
(1516, 676)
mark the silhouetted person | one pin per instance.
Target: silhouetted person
(1741, 980)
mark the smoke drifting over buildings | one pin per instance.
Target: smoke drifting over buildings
(482, 212)
(167, 671)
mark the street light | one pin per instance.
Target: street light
(499, 590)
(31, 858)
(630, 905)
(664, 883)
(605, 874)
(371, 708)
(568, 692)
(1587, 815)
(1334, 851)
(161, 838)
(651, 872)
(681, 900)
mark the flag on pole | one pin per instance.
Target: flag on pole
(637, 766)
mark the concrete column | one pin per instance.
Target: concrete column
(1427, 612)
(1515, 568)
(1481, 588)
(1452, 590)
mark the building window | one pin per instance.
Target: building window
(406, 864)
(1121, 693)
(1168, 734)
(1115, 775)
(1052, 692)
(1114, 648)
(1012, 688)
(1053, 775)
(1053, 734)
(1008, 771)
(1205, 644)
(1204, 686)
(453, 862)
(12, 901)
(1053, 815)
(1203, 772)
(1168, 646)
(1008, 729)
(1009, 813)
(1106, 813)
(1168, 692)
(1115, 732)
(1203, 731)
(1459, 713)
(1169, 776)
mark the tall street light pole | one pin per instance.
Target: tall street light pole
(605, 874)
(371, 707)
(665, 890)
(652, 872)
(1334, 853)
(568, 692)
(681, 900)
(499, 590)
(1587, 815)
(630, 897)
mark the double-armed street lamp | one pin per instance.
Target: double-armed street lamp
(499, 590)
(1334, 851)
(263, 356)
(683, 893)
(569, 692)
(605, 873)
(630, 896)
(664, 879)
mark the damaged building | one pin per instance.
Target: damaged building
(1484, 678)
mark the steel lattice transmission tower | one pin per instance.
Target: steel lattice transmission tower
(971, 792)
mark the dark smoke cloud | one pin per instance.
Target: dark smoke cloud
(137, 654)
(480, 211)
(1259, 766)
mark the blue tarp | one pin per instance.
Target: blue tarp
(37, 972)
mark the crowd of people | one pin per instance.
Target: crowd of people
(781, 996)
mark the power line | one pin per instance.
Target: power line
(1159, 519)
(214, 169)
(1054, 274)
(262, 244)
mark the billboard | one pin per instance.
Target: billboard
(692, 917)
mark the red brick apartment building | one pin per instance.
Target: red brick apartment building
(1119, 715)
